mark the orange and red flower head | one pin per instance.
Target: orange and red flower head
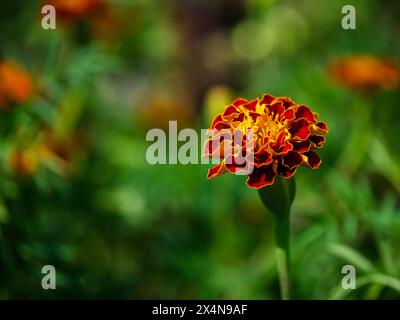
(16, 85)
(365, 73)
(283, 137)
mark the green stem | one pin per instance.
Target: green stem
(278, 199)
(282, 253)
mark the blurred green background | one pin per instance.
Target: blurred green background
(76, 191)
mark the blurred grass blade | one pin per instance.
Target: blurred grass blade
(385, 162)
(351, 256)
(373, 279)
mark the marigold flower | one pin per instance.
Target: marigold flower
(365, 73)
(16, 86)
(284, 135)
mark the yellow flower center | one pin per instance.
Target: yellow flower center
(266, 125)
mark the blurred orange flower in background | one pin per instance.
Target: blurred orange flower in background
(285, 134)
(99, 15)
(365, 72)
(51, 151)
(24, 162)
(16, 85)
(72, 10)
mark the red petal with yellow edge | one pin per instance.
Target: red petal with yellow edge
(261, 177)
(221, 125)
(216, 171)
(301, 146)
(276, 108)
(323, 126)
(317, 141)
(239, 102)
(313, 159)
(286, 172)
(217, 119)
(287, 102)
(319, 128)
(267, 99)
(300, 129)
(230, 112)
(292, 159)
(288, 114)
(251, 105)
(305, 112)
(283, 149)
(262, 159)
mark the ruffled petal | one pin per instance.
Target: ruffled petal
(261, 177)
(288, 114)
(319, 128)
(317, 141)
(216, 171)
(301, 146)
(251, 105)
(292, 159)
(239, 102)
(285, 171)
(300, 129)
(287, 102)
(267, 99)
(313, 159)
(305, 112)
(230, 112)
(276, 108)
